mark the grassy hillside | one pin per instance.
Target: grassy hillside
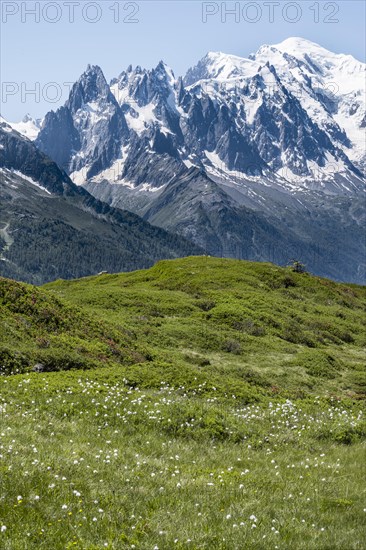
(40, 332)
(253, 327)
(207, 404)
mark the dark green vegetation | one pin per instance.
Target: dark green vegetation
(207, 404)
(37, 327)
(52, 236)
(50, 228)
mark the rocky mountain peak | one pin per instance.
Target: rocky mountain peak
(91, 87)
(274, 112)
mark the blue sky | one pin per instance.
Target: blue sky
(114, 33)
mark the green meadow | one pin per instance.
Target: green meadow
(203, 403)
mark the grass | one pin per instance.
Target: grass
(90, 462)
(247, 326)
(201, 404)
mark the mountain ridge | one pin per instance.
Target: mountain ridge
(135, 89)
(52, 228)
(265, 135)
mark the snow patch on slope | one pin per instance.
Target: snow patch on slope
(28, 127)
(26, 178)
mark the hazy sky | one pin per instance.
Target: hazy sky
(46, 45)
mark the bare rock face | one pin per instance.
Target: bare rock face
(39, 367)
(88, 132)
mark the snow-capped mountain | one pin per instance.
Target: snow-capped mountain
(86, 134)
(293, 111)
(303, 105)
(336, 82)
(259, 157)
